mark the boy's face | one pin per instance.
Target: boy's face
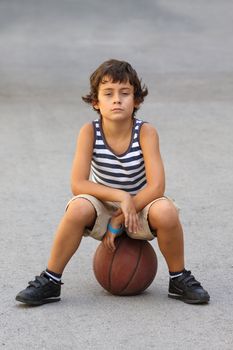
(115, 100)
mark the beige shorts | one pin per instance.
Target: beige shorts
(104, 211)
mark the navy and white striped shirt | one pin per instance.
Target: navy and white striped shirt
(125, 171)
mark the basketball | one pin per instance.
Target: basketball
(129, 270)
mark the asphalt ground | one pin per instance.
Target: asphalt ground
(182, 50)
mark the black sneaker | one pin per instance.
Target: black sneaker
(41, 291)
(187, 289)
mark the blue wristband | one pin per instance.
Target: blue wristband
(115, 231)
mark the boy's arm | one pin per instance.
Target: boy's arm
(155, 176)
(155, 187)
(80, 182)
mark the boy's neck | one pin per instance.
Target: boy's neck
(117, 130)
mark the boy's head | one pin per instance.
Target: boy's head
(117, 71)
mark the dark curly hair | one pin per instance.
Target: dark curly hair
(118, 71)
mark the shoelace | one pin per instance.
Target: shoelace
(189, 279)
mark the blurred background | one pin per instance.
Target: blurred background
(183, 49)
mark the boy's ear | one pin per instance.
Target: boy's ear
(136, 104)
(95, 104)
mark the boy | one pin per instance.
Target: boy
(125, 192)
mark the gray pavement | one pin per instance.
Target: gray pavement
(183, 52)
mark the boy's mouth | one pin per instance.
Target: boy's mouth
(116, 109)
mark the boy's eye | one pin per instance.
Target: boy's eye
(123, 93)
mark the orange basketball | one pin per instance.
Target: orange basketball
(129, 270)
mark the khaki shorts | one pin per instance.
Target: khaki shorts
(104, 211)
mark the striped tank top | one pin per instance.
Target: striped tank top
(126, 171)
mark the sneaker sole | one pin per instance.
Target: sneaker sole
(189, 301)
(36, 302)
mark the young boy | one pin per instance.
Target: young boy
(125, 192)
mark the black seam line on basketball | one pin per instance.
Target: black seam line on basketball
(135, 269)
(110, 269)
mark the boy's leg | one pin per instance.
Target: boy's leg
(45, 288)
(79, 215)
(163, 218)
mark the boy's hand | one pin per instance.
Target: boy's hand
(129, 211)
(109, 237)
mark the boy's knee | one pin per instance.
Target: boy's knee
(163, 214)
(81, 211)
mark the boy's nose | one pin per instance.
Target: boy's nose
(116, 99)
